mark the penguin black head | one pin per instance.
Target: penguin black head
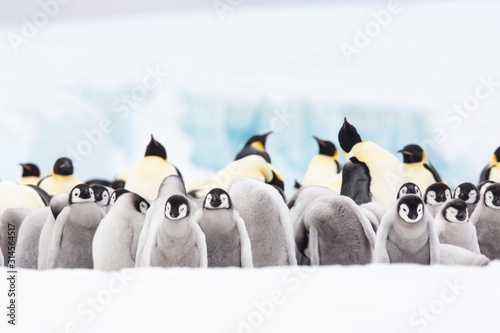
(177, 207)
(81, 193)
(30, 170)
(348, 136)
(411, 208)
(63, 167)
(156, 149)
(412, 154)
(437, 193)
(326, 148)
(455, 211)
(116, 194)
(409, 188)
(496, 155)
(217, 199)
(467, 192)
(140, 204)
(492, 196)
(117, 184)
(101, 194)
(256, 145)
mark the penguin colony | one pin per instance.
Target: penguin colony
(374, 209)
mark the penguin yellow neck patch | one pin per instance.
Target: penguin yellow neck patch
(258, 145)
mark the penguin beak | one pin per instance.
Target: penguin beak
(85, 194)
(405, 152)
(496, 202)
(463, 196)
(461, 216)
(345, 123)
(412, 216)
(321, 142)
(98, 197)
(174, 213)
(215, 202)
(440, 198)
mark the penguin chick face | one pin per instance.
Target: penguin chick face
(348, 136)
(467, 192)
(101, 194)
(217, 199)
(30, 170)
(116, 194)
(437, 193)
(63, 167)
(492, 196)
(81, 193)
(412, 154)
(176, 208)
(456, 211)
(411, 208)
(409, 188)
(156, 149)
(326, 148)
(140, 204)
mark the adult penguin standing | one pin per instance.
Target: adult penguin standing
(370, 173)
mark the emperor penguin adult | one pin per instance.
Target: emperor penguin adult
(146, 177)
(116, 239)
(267, 220)
(407, 234)
(29, 238)
(74, 230)
(486, 219)
(454, 227)
(174, 239)
(61, 180)
(418, 167)
(10, 224)
(31, 174)
(468, 193)
(57, 204)
(492, 170)
(370, 173)
(325, 167)
(409, 188)
(228, 243)
(253, 166)
(13, 195)
(435, 196)
(256, 145)
(333, 230)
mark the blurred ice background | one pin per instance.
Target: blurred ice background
(265, 66)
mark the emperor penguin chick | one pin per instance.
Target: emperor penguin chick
(407, 235)
(453, 226)
(435, 196)
(334, 231)
(175, 239)
(486, 219)
(324, 167)
(228, 243)
(10, 224)
(29, 238)
(74, 230)
(117, 236)
(267, 220)
(469, 193)
(409, 188)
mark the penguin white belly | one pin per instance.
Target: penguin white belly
(56, 184)
(13, 195)
(321, 171)
(495, 173)
(387, 173)
(419, 175)
(146, 177)
(32, 180)
(252, 166)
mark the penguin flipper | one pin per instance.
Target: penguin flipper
(43, 195)
(41, 180)
(245, 244)
(432, 170)
(485, 174)
(301, 237)
(356, 181)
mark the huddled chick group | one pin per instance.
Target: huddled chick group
(372, 209)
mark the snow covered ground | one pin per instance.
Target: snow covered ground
(374, 298)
